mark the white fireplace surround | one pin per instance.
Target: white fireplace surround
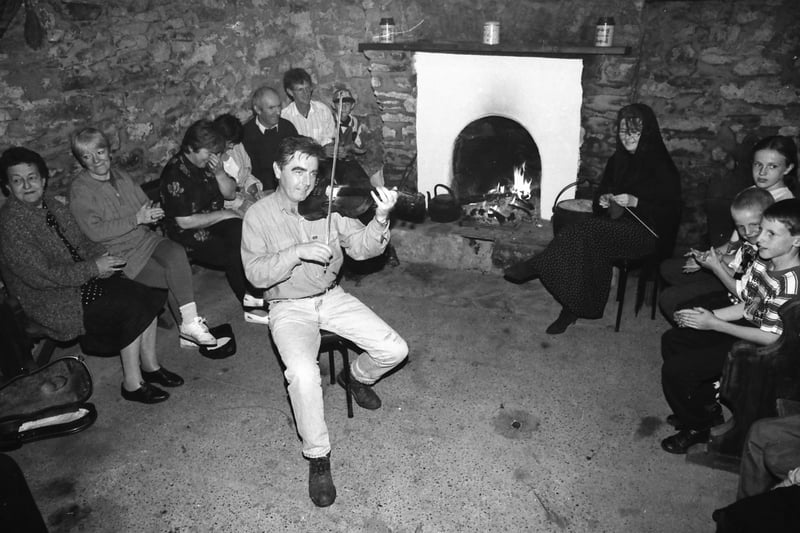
(544, 95)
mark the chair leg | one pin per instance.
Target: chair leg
(338, 345)
(348, 394)
(332, 366)
(621, 283)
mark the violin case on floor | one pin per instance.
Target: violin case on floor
(49, 401)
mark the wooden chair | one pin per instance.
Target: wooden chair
(648, 271)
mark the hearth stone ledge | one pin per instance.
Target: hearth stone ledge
(487, 249)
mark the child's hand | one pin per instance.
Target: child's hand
(693, 261)
(691, 265)
(695, 318)
(709, 260)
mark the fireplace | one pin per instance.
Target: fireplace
(538, 87)
(486, 154)
(543, 95)
(429, 91)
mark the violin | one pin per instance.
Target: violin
(353, 202)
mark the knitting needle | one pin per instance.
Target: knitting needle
(641, 221)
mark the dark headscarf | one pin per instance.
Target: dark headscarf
(628, 167)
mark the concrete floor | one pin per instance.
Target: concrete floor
(492, 425)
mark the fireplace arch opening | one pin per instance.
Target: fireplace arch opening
(486, 154)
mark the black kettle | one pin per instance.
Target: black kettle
(443, 207)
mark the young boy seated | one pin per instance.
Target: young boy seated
(348, 170)
(695, 351)
(723, 276)
(350, 143)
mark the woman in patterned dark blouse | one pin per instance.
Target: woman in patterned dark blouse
(71, 286)
(194, 187)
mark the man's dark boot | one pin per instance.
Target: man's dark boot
(320, 481)
(363, 394)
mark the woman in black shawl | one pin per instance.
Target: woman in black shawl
(639, 179)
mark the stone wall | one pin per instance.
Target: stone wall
(143, 70)
(394, 83)
(719, 74)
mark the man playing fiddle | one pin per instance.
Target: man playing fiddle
(298, 261)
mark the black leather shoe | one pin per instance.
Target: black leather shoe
(164, 377)
(363, 394)
(320, 481)
(145, 394)
(565, 319)
(680, 442)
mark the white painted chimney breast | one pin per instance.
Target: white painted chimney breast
(543, 94)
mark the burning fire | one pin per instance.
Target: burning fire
(520, 188)
(506, 203)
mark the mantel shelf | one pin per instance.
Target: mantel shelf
(446, 47)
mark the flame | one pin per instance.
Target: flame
(521, 187)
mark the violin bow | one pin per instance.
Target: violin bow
(333, 170)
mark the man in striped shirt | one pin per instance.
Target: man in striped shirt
(694, 352)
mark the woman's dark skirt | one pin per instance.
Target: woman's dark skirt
(576, 266)
(121, 314)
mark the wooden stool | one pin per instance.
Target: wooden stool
(331, 343)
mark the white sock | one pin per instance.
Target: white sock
(188, 313)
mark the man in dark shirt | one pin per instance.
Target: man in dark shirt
(263, 132)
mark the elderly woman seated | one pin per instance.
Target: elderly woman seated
(114, 211)
(73, 287)
(194, 187)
